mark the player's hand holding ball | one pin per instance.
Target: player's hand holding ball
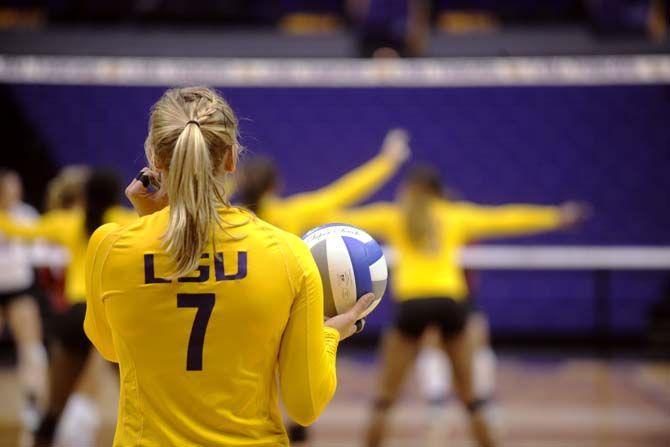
(351, 322)
(147, 193)
(353, 272)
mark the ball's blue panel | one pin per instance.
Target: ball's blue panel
(374, 251)
(359, 260)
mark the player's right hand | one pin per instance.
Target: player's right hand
(396, 145)
(145, 199)
(346, 323)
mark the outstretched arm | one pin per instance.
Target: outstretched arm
(378, 219)
(516, 220)
(50, 227)
(357, 184)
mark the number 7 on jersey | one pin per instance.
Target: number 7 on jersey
(204, 302)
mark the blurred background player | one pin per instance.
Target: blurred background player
(69, 349)
(19, 310)
(65, 191)
(434, 372)
(260, 184)
(427, 232)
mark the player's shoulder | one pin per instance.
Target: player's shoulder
(279, 236)
(102, 239)
(288, 244)
(120, 215)
(140, 234)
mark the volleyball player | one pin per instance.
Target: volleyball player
(427, 232)
(201, 303)
(66, 191)
(18, 306)
(70, 228)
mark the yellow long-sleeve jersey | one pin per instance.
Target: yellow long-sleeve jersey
(66, 228)
(435, 272)
(299, 213)
(198, 355)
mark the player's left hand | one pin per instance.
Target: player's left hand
(145, 199)
(396, 145)
(574, 213)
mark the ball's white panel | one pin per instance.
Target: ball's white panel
(341, 274)
(379, 276)
(318, 234)
(378, 270)
(356, 234)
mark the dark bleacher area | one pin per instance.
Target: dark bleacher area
(293, 28)
(161, 40)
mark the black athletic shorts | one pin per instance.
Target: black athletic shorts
(7, 297)
(68, 328)
(415, 315)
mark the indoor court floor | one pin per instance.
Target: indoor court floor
(544, 402)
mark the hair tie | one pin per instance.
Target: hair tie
(196, 122)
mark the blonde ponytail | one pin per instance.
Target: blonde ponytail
(192, 131)
(421, 225)
(423, 181)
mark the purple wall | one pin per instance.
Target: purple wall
(606, 145)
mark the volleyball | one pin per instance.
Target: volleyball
(351, 264)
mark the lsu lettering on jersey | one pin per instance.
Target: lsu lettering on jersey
(199, 356)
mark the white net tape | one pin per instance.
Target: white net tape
(546, 257)
(572, 70)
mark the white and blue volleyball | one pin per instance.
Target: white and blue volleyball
(351, 264)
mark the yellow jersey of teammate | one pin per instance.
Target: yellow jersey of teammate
(198, 354)
(419, 272)
(66, 228)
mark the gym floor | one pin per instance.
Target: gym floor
(544, 401)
